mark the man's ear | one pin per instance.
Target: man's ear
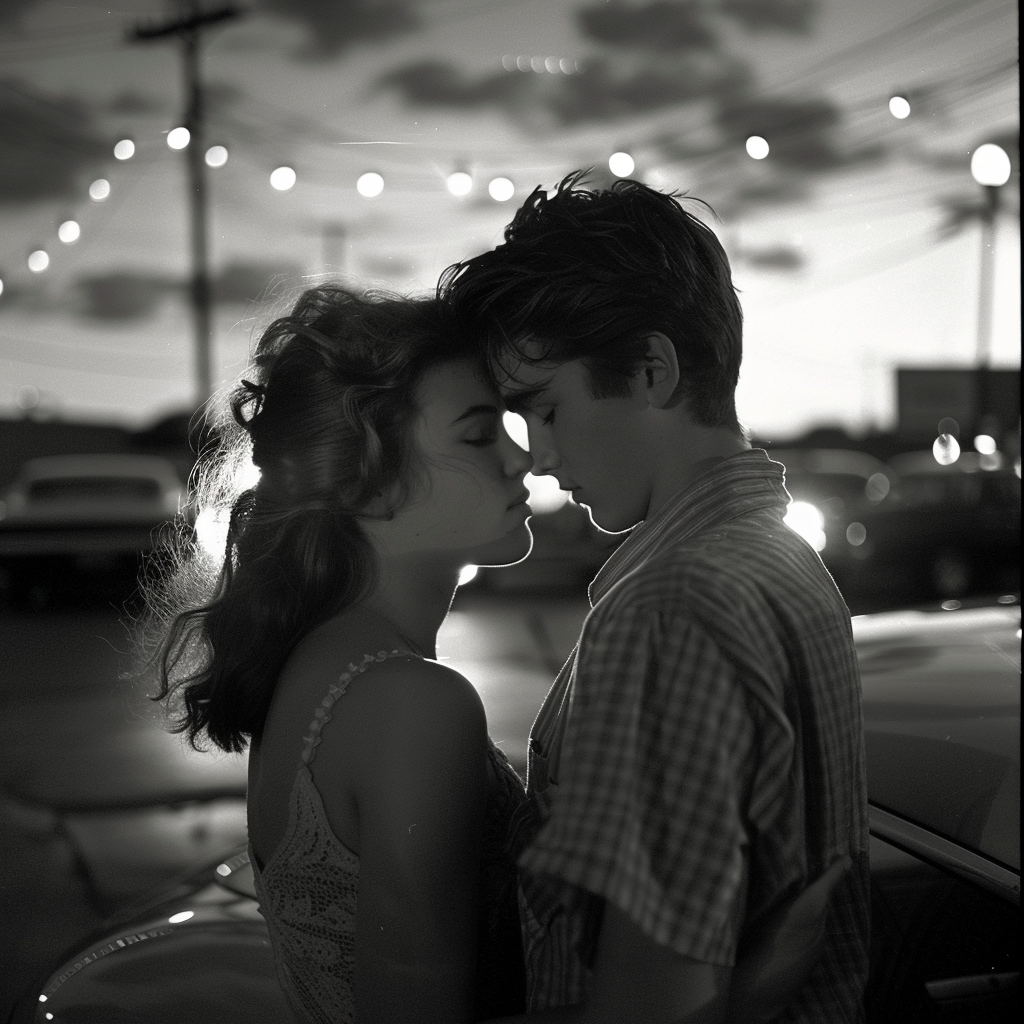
(660, 371)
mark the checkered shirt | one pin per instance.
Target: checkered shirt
(709, 716)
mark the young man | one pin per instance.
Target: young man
(699, 760)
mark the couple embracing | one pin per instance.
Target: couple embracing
(691, 844)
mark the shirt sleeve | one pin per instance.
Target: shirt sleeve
(648, 810)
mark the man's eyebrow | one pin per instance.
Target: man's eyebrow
(517, 401)
(476, 410)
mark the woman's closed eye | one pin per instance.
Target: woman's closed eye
(482, 438)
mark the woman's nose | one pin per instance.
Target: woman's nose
(518, 462)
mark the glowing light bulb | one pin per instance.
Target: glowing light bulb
(370, 184)
(459, 183)
(178, 138)
(899, 107)
(38, 261)
(621, 164)
(282, 178)
(216, 156)
(99, 190)
(501, 190)
(69, 232)
(946, 449)
(990, 165)
(124, 150)
(757, 147)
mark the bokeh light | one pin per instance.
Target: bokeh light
(946, 449)
(178, 138)
(216, 156)
(282, 178)
(985, 444)
(459, 183)
(856, 534)
(99, 190)
(948, 425)
(124, 150)
(1, 286)
(370, 184)
(877, 487)
(757, 147)
(990, 165)
(38, 261)
(899, 107)
(621, 164)
(69, 232)
(545, 494)
(501, 190)
(806, 519)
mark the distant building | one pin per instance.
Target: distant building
(926, 395)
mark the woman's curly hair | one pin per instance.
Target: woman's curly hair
(324, 414)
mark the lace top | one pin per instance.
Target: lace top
(307, 892)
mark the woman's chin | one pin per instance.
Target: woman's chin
(509, 550)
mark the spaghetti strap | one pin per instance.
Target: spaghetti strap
(323, 713)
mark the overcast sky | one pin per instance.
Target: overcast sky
(854, 242)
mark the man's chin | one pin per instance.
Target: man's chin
(607, 526)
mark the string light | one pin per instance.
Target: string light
(459, 183)
(757, 147)
(69, 232)
(621, 165)
(282, 178)
(216, 156)
(99, 190)
(370, 184)
(899, 107)
(38, 261)
(501, 190)
(124, 150)
(178, 138)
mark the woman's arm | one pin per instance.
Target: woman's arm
(421, 793)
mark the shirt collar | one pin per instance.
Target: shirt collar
(734, 486)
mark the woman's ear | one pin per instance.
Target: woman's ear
(660, 371)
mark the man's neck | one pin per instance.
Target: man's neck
(702, 449)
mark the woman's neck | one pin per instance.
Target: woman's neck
(414, 599)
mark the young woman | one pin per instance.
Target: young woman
(377, 804)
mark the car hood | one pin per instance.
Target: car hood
(942, 722)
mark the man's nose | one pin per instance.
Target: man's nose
(545, 458)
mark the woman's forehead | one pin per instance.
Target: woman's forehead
(451, 388)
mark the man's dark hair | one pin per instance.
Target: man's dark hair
(590, 275)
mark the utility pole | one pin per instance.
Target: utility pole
(188, 29)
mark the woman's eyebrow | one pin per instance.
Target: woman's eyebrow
(476, 410)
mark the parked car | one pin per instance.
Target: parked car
(942, 531)
(71, 515)
(942, 717)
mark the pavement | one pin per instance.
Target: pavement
(99, 805)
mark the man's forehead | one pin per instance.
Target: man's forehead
(514, 369)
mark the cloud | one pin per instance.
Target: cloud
(11, 12)
(778, 15)
(801, 134)
(772, 257)
(437, 83)
(48, 145)
(663, 26)
(606, 92)
(334, 26)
